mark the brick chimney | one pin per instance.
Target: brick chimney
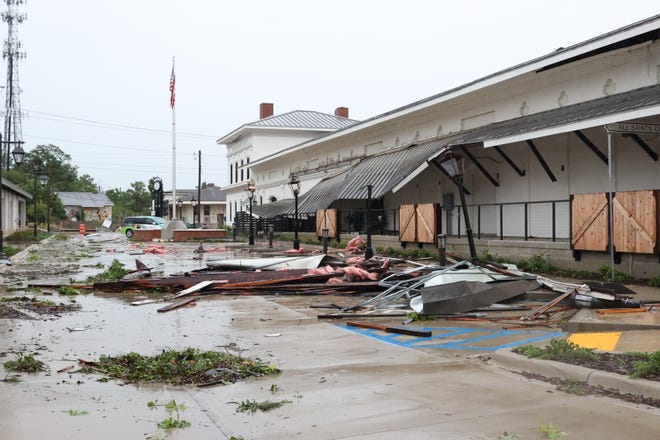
(342, 112)
(265, 110)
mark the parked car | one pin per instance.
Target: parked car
(130, 224)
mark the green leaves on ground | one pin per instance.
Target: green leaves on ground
(171, 407)
(189, 366)
(252, 406)
(25, 363)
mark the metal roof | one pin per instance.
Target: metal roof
(304, 119)
(273, 209)
(11, 186)
(296, 119)
(208, 194)
(584, 111)
(84, 199)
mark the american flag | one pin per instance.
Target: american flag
(172, 87)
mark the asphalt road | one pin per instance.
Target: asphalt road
(341, 384)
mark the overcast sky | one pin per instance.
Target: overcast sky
(96, 76)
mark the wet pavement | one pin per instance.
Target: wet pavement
(342, 383)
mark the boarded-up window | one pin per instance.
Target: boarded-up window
(418, 223)
(589, 230)
(326, 219)
(635, 221)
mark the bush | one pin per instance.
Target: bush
(649, 367)
(557, 350)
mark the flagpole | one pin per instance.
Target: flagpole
(172, 98)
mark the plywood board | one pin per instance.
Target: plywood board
(326, 219)
(408, 229)
(589, 228)
(426, 223)
(635, 222)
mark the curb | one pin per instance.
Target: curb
(505, 358)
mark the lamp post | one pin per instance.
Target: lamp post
(368, 252)
(192, 205)
(294, 184)
(43, 179)
(453, 165)
(250, 191)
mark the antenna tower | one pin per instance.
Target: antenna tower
(12, 53)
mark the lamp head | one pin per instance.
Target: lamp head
(19, 155)
(251, 188)
(453, 164)
(294, 184)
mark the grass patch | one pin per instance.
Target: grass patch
(648, 367)
(68, 291)
(25, 363)
(557, 350)
(189, 366)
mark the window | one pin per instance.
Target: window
(231, 173)
(207, 210)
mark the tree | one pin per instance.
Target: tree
(134, 201)
(51, 161)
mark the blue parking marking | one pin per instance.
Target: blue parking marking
(463, 338)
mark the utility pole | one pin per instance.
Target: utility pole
(199, 191)
(12, 53)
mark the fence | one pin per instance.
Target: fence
(527, 220)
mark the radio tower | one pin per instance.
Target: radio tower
(11, 52)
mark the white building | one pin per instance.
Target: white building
(539, 163)
(14, 200)
(272, 133)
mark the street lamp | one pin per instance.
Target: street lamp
(294, 184)
(250, 190)
(453, 165)
(368, 252)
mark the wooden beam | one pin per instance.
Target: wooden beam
(644, 146)
(542, 161)
(591, 145)
(481, 168)
(508, 160)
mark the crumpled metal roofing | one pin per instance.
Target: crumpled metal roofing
(304, 119)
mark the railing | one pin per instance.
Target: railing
(528, 220)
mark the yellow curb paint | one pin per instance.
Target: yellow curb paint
(597, 341)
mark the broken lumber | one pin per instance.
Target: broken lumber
(534, 314)
(399, 330)
(617, 311)
(176, 305)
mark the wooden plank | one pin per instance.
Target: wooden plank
(388, 329)
(177, 304)
(196, 288)
(617, 311)
(407, 230)
(426, 222)
(589, 226)
(635, 222)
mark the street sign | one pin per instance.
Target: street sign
(622, 127)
